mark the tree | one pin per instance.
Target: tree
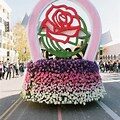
(20, 39)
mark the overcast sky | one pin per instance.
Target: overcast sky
(108, 10)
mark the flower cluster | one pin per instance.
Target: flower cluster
(63, 82)
(63, 65)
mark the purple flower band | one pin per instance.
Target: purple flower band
(62, 65)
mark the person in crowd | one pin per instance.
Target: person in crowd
(16, 69)
(119, 66)
(9, 69)
(114, 66)
(13, 70)
(106, 66)
(21, 69)
(1, 69)
(110, 66)
(4, 70)
(102, 66)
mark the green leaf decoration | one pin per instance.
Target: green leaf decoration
(56, 49)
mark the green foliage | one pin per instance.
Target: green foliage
(21, 45)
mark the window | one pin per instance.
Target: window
(8, 53)
(111, 57)
(4, 45)
(0, 32)
(4, 34)
(0, 7)
(6, 26)
(119, 56)
(115, 57)
(11, 37)
(7, 35)
(0, 20)
(106, 57)
(4, 21)
(101, 52)
(3, 10)
(8, 47)
(81, 43)
(7, 15)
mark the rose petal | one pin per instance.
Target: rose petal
(70, 32)
(58, 38)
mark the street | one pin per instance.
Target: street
(54, 57)
(12, 107)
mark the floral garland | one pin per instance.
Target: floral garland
(62, 65)
(63, 81)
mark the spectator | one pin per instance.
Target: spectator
(9, 68)
(16, 68)
(21, 69)
(109, 66)
(102, 66)
(119, 66)
(4, 69)
(13, 70)
(1, 70)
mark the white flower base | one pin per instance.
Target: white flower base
(65, 98)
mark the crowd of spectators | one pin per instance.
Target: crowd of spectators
(110, 66)
(10, 70)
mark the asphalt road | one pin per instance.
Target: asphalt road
(106, 109)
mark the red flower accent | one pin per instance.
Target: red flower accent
(61, 23)
(27, 77)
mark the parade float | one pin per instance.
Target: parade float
(56, 28)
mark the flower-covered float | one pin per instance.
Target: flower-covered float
(63, 79)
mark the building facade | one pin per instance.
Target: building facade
(109, 52)
(7, 49)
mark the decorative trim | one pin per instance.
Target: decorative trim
(52, 82)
